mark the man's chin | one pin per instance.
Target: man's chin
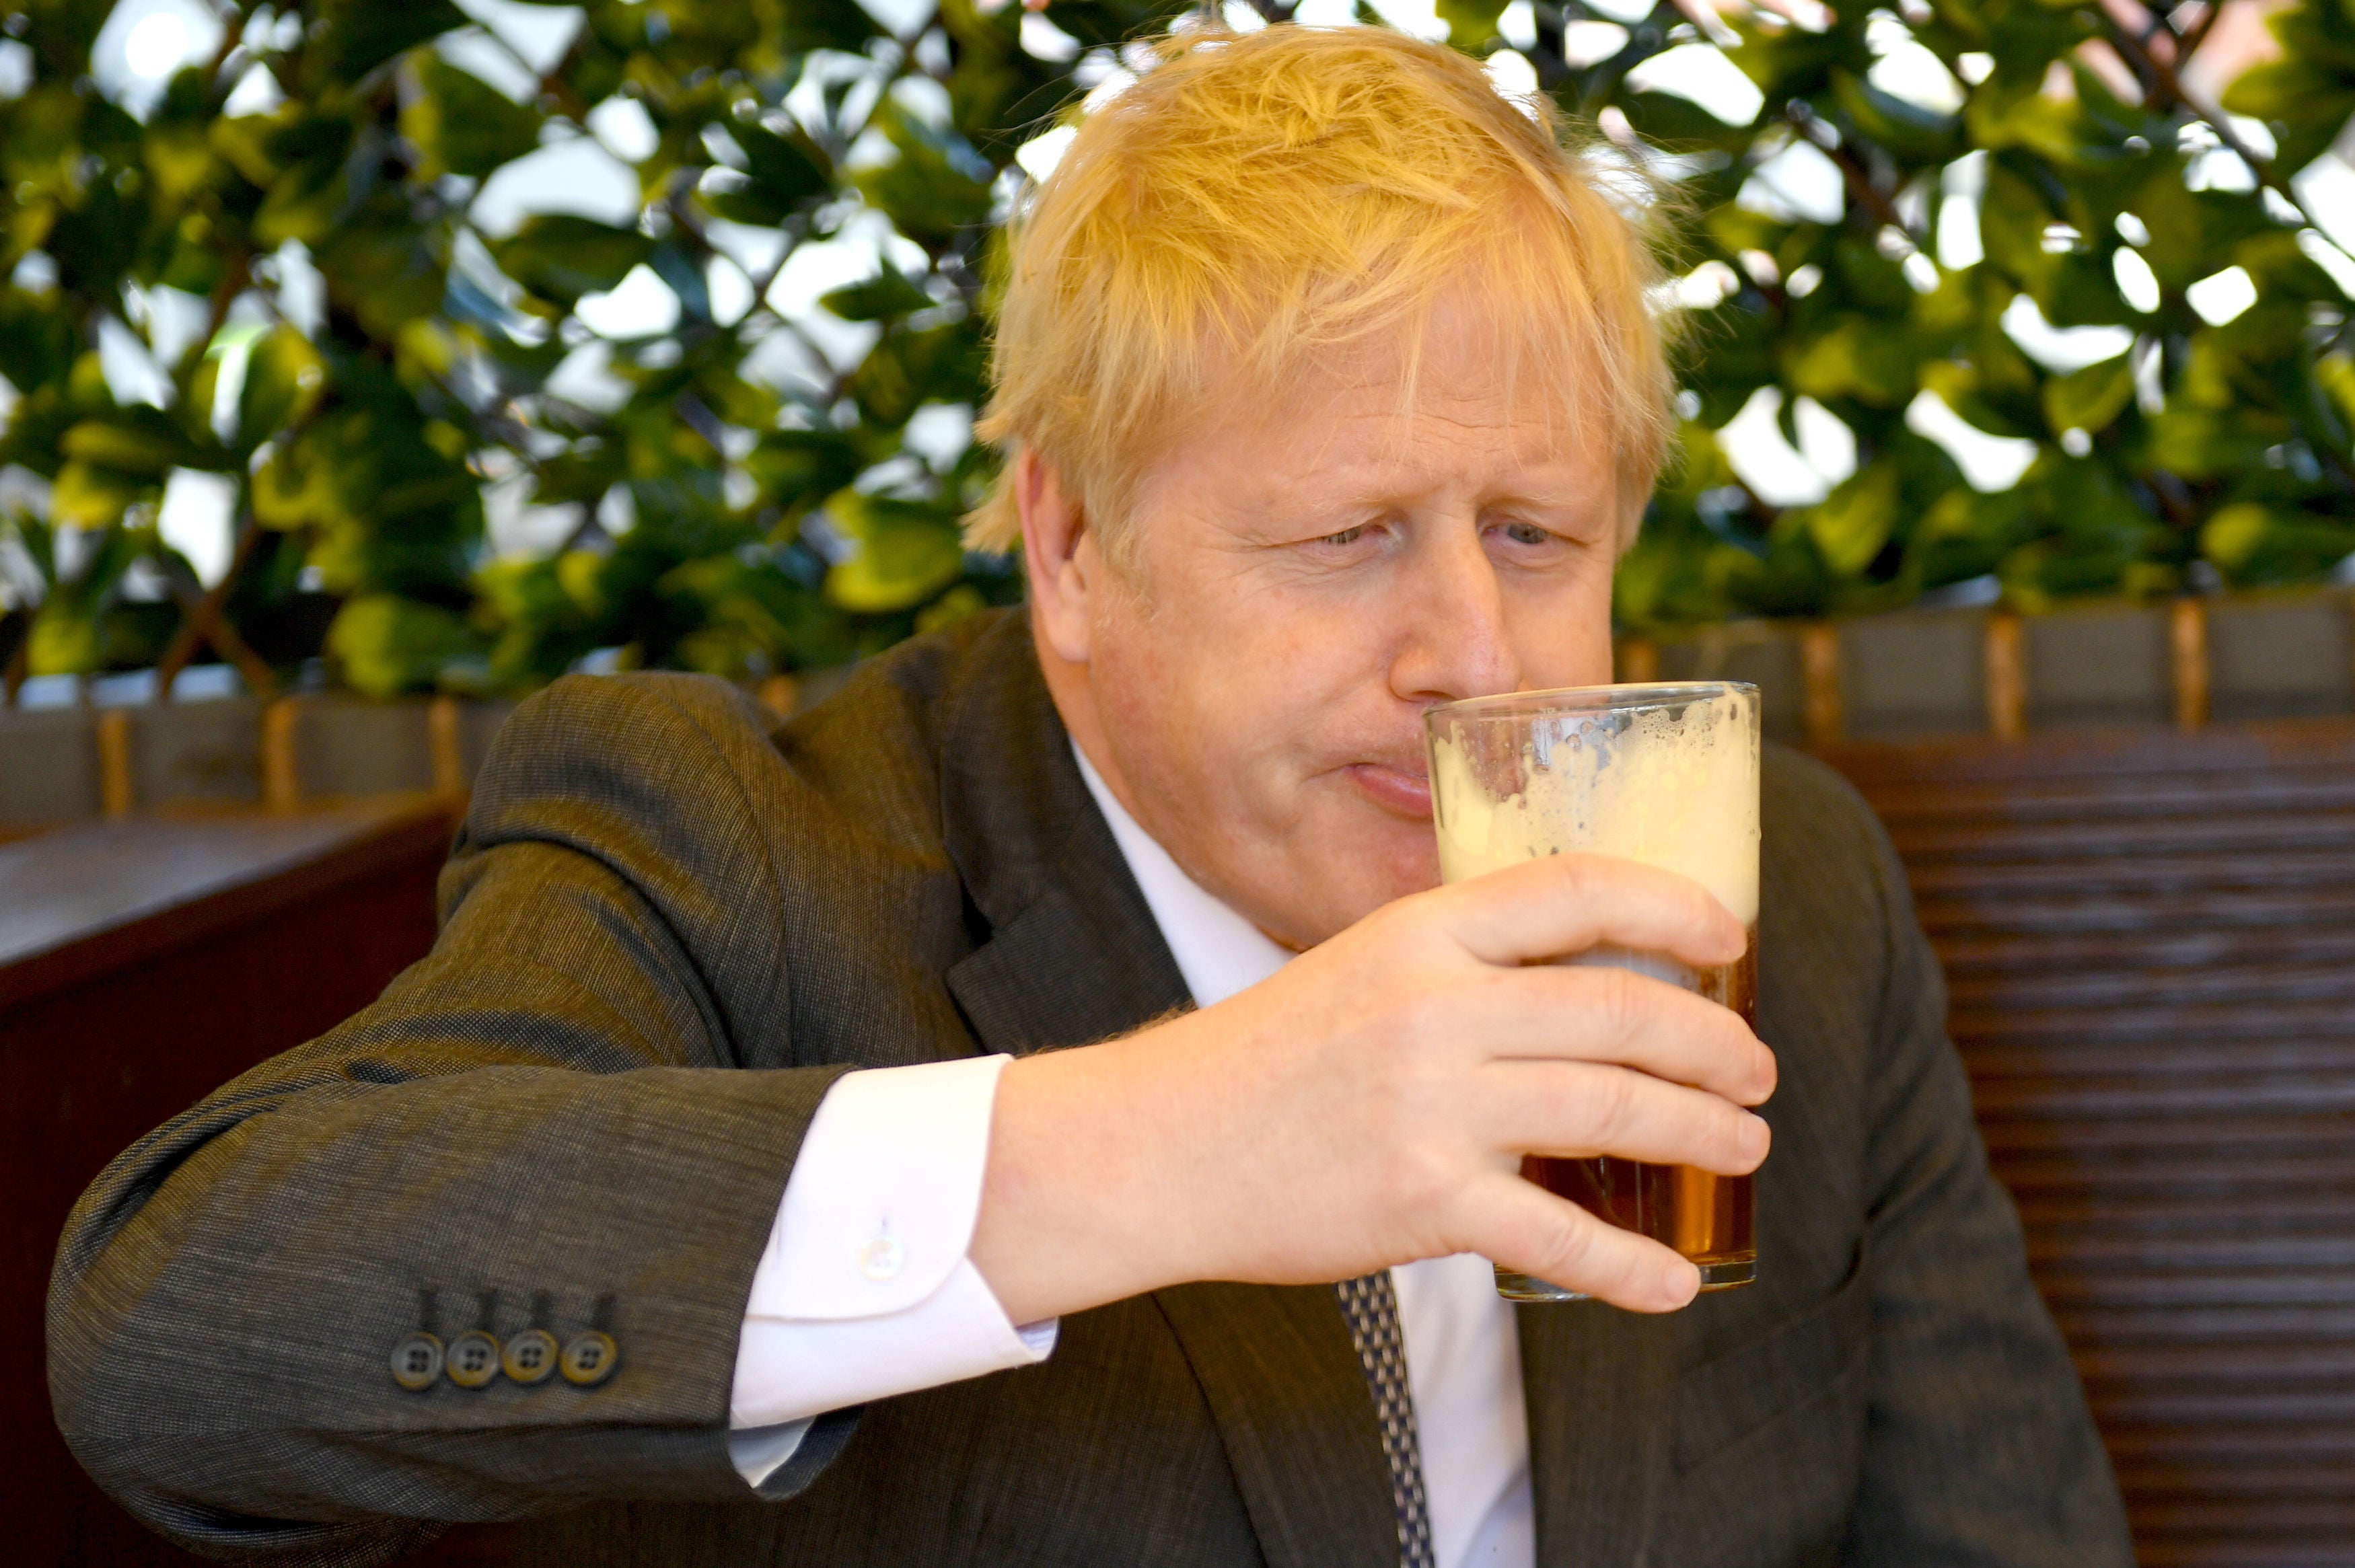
(1375, 869)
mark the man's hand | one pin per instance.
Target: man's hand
(1370, 1105)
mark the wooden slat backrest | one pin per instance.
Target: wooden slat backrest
(2150, 943)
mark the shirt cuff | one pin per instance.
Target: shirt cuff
(786, 1371)
(759, 1452)
(864, 1290)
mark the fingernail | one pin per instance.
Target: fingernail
(1755, 1137)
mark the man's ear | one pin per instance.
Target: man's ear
(1060, 554)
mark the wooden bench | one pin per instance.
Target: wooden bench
(144, 962)
(2149, 938)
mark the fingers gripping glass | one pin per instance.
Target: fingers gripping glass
(1663, 774)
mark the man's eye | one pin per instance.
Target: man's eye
(1527, 534)
(1346, 536)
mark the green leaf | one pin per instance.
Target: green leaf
(384, 645)
(786, 166)
(2231, 537)
(1871, 361)
(785, 174)
(1850, 526)
(906, 554)
(889, 293)
(88, 496)
(304, 203)
(463, 125)
(826, 25)
(2203, 443)
(382, 266)
(2308, 100)
(351, 37)
(2335, 374)
(283, 378)
(37, 340)
(1471, 24)
(937, 187)
(560, 258)
(2090, 399)
(64, 641)
(799, 468)
(138, 440)
(1902, 127)
(909, 369)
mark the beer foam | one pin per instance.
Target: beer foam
(1674, 789)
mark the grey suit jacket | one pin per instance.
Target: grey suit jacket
(668, 929)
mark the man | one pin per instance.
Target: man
(1330, 393)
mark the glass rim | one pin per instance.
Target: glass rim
(1629, 697)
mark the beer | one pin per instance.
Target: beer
(1663, 774)
(1705, 1217)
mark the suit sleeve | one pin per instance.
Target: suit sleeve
(1979, 1448)
(526, 1129)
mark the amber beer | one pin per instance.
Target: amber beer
(1667, 773)
(1707, 1217)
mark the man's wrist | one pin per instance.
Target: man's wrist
(1087, 1197)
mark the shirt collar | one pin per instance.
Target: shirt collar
(1217, 951)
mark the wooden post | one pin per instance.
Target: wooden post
(1639, 660)
(1822, 720)
(114, 731)
(442, 738)
(2007, 677)
(282, 781)
(780, 695)
(2187, 628)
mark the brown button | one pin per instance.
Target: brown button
(417, 1361)
(530, 1355)
(588, 1358)
(473, 1359)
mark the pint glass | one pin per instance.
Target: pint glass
(1664, 774)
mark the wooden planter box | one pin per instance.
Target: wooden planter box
(1912, 675)
(64, 765)
(1918, 674)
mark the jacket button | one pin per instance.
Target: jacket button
(588, 1358)
(881, 1258)
(473, 1359)
(530, 1356)
(417, 1361)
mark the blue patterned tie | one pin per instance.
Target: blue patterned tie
(1370, 1305)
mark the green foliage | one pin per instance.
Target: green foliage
(392, 365)
(2185, 452)
(703, 408)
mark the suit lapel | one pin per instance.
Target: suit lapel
(1596, 1383)
(1073, 954)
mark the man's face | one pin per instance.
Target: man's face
(1303, 583)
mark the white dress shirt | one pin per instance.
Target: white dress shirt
(864, 1290)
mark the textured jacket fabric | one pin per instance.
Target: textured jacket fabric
(669, 927)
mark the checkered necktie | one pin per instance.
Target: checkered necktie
(1370, 1305)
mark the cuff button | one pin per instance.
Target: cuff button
(589, 1359)
(882, 1258)
(417, 1361)
(530, 1356)
(473, 1359)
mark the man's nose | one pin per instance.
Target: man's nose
(1454, 640)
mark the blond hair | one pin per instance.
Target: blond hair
(1257, 199)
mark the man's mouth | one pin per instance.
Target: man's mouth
(1393, 788)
